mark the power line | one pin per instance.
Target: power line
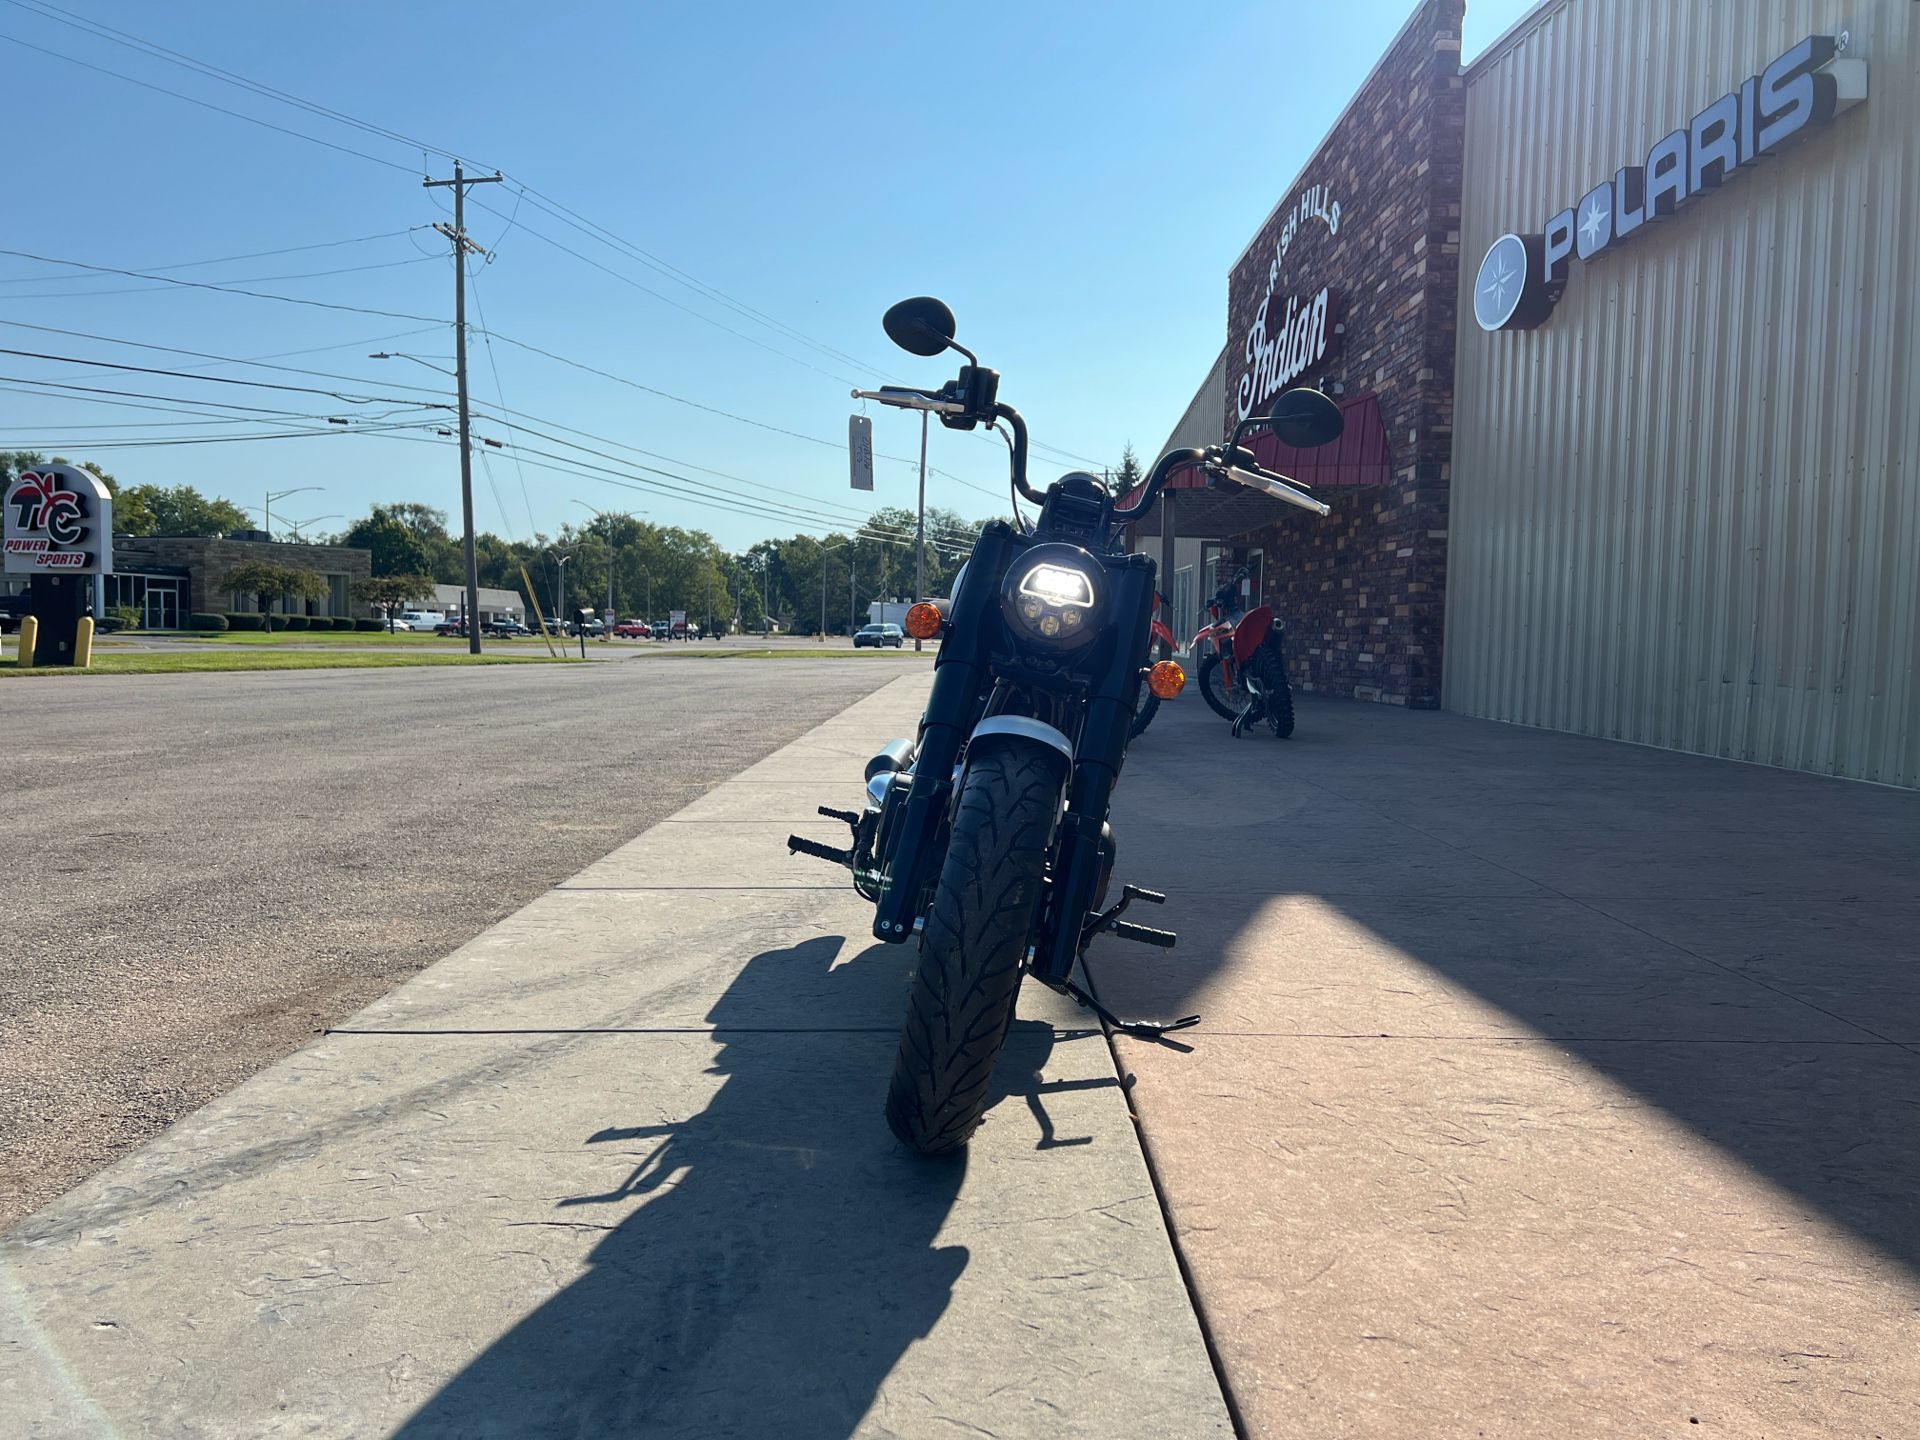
(203, 104)
(224, 289)
(542, 202)
(169, 280)
(645, 290)
(219, 379)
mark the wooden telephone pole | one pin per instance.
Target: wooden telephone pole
(462, 246)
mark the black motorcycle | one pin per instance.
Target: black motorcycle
(985, 838)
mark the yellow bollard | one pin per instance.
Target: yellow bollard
(29, 637)
(83, 643)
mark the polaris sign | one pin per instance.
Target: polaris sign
(1522, 276)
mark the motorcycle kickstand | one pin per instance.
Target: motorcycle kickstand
(1139, 1029)
(1110, 920)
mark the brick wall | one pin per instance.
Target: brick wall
(210, 560)
(1363, 591)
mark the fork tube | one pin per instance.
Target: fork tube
(1096, 769)
(949, 720)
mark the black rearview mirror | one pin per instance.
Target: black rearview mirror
(920, 326)
(1305, 419)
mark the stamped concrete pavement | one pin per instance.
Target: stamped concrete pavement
(1547, 1086)
(617, 1166)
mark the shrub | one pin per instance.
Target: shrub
(368, 625)
(236, 621)
(108, 623)
(207, 622)
(295, 622)
(342, 622)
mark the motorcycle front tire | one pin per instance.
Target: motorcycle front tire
(1212, 686)
(972, 947)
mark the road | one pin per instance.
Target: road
(202, 871)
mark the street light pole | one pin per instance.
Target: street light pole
(266, 513)
(560, 602)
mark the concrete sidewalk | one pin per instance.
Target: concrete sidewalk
(618, 1167)
(1547, 1086)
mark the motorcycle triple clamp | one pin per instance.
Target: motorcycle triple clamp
(1139, 1029)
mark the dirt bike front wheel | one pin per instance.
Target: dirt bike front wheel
(1225, 703)
(972, 947)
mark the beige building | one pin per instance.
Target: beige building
(1685, 510)
(170, 577)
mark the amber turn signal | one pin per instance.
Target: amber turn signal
(1166, 679)
(923, 621)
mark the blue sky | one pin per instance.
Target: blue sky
(1074, 179)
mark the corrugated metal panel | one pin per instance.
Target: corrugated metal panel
(1199, 425)
(1684, 511)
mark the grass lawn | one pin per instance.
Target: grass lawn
(324, 637)
(197, 660)
(795, 654)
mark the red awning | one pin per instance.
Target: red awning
(1359, 457)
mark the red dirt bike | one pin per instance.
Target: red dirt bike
(1245, 678)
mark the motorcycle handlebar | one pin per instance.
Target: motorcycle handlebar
(902, 398)
(1279, 487)
(1162, 472)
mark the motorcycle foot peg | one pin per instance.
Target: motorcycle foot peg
(1134, 892)
(799, 844)
(846, 815)
(1144, 934)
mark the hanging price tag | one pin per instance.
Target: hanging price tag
(860, 451)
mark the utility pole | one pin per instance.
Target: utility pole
(920, 532)
(457, 233)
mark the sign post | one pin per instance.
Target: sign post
(58, 530)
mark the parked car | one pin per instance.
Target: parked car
(507, 628)
(878, 635)
(424, 619)
(451, 627)
(631, 630)
(394, 622)
(661, 630)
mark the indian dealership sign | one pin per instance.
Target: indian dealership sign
(59, 520)
(1289, 336)
(1522, 276)
(1284, 343)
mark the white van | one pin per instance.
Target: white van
(423, 619)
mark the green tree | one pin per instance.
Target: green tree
(173, 510)
(390, 591)
(12, 462)
(268, 582)
(1128, 475)
(397, 549)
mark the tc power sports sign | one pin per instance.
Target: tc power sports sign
(59, 520)
(1522, 276)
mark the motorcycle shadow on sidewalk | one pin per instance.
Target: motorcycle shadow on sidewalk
(783, 1256)
(1731, 943)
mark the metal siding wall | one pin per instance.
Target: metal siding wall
(1683, 511)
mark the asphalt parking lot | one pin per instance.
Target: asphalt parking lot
(204, 870)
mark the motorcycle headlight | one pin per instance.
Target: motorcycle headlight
(1053, 596)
